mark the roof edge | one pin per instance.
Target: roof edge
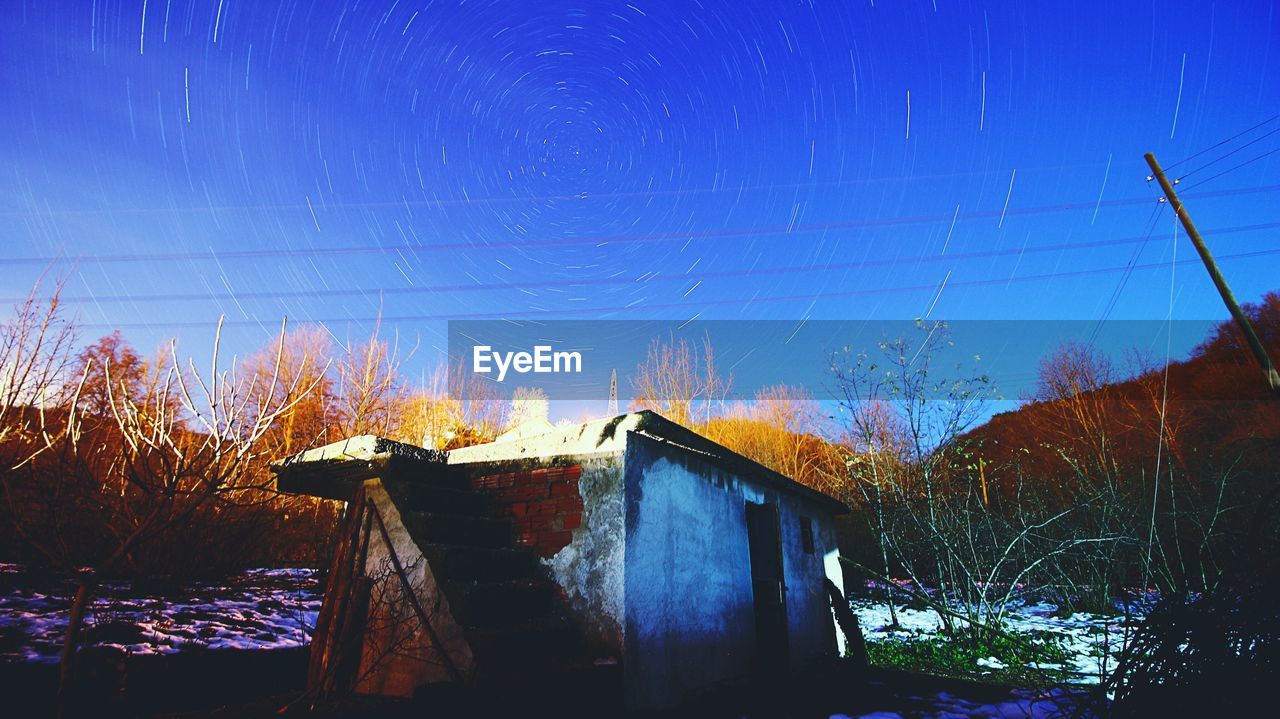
(656, 427)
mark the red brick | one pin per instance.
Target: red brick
(572, 521)
(564, 489)
(532, 491)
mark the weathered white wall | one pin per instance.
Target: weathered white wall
(689, 615)
(690, 619)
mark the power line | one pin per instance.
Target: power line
(735, 302)
(1220, 158)
(438, 202)
(606, 281)
(1152, 221)
(1273, 118)
(786, 230)
(1233, 169)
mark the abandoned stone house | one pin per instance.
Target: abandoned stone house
(631, 544)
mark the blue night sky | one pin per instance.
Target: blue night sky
(177, 160)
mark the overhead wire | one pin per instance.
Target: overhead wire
(1220, 143)
(1220, 158)
(674, 236)
(1152, 221)
(1233, 169)
(648, 277)
(685, 306)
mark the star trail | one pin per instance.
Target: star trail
(178, 160)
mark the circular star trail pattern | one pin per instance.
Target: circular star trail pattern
(716, 159)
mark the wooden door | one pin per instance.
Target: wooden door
(769, 588)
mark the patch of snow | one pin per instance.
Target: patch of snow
(261, 609)
(1093, 641)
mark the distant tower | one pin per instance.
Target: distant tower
(613, 395)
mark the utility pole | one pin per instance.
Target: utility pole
(1260, 352)
(613, 394)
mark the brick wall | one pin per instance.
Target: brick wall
(543, 505)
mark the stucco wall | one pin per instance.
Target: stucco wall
(689, 600)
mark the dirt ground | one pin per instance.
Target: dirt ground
(269, 684)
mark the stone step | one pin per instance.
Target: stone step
(437, 499)
(459, 562)
(459, 529)
(444, 476)
(496, 605)
(540, 644)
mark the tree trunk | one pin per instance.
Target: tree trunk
(893, 610)
(71, 642)
(848, 621)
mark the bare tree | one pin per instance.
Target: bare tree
(179, 444)
(483, 412)
(680, 381)
(300, 362)
(371, 393)
(429, 416)
(784, 429)
(35, 352)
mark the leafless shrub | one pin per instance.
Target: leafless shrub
(925, 492)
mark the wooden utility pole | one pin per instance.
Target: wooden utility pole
(613, 395)
(1260, 352)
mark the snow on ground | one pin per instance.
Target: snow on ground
(261, 609)
(1088, 638)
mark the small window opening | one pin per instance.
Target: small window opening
(806, 534)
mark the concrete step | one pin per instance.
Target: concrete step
(459, 562)
(459, 529)
(495, 605)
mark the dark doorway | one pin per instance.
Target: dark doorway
(769, 588)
